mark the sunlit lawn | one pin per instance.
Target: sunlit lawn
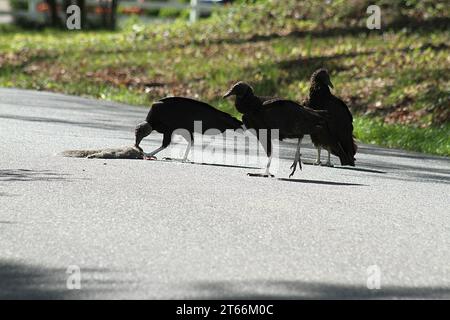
(398, 77)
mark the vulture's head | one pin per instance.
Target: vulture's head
(240, 89)
(322, 77)
(142, 130)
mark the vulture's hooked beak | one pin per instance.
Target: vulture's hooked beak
(141, 131)
(229, 93)
(138, 147)
(330, 84)
(137, 143)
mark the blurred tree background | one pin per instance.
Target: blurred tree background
(396, 80)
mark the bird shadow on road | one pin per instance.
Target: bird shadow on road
(360, 169)
(272, 290)
(31, 175)
(330, 183)
(418, 172)
(209, 164)
(423, 168)
(4, 194)
(23, 281)
(379, 151)
(224, 165)
(310, 163)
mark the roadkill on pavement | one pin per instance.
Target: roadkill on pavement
(110, 153)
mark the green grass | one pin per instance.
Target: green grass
(434, 140)
(399, 76)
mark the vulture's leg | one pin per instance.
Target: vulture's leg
(269, 154)
(297, 159)
(267, 173)
(267, 145)
(188, 149)
(152, 154)
(317, 163)
(166, 141)
(329, 164)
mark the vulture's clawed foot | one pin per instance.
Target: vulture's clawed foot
(146, 157)
(317, 163)
(294, 167)
(263, 175)
(328, 164)
(177, 160)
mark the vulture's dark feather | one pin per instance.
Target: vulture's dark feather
(291, 119)
(340, 119)
(174, 113)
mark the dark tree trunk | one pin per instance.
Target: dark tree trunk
(66, 4)
(113, 16)
(54, 19)
(109, 13)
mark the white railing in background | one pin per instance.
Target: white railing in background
(195, 7)
(31, 13)
(5, 11)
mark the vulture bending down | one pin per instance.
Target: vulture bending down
(174, 113)
(340, 120)
(290, 118)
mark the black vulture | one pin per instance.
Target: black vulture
(340, 120)
(174, 113)
(291, 119)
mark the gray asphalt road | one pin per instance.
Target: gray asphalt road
(159, 229)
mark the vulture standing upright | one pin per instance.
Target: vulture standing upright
(173, 113)
(290, 118)
(340, 120)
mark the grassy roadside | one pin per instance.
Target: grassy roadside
(433, 140)
(397, 82)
